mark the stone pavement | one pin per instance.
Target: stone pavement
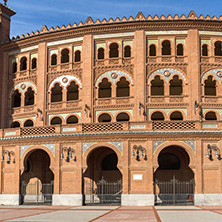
(111, 213)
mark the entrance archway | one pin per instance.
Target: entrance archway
(173, 179)
(102, 179)
(37, 178)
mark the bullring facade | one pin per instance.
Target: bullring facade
(112, 111)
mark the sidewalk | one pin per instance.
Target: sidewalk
(111, 213)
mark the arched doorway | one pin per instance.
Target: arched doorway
(102, 179)
(37, 179)
(173, 179)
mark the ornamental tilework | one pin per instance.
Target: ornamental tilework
(22, 87)
(217, 110)
(119, 145)
(51, 147)
(68, 78)
(191, 144)
(167, 78)
(213, 72)
(156, 144)
(113, 80)
(85, 146)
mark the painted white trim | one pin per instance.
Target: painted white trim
(105, 36)
(67, 199)
(137, 200)
(23, 50)
(209, 33)
(166, 32)
(65, 41)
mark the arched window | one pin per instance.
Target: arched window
(204, 50)
(152, 50)
(16, 99)
(176, 86)
(23, 63)
(34, 63)
(114, 50)
(29, 97)
(157, 87)
(218, 48)
(166, 47)
(53, 60)
(101, 53)
(176, 116)
(28, 123)
(72, 120)
(105, 89)
(122, 89)
(56, 121)
(127, 51)
(15, 124)
(56, 93)
(77, 56)
(122, 117)
(65, 56)
(210, 86)
(72, 91)
(211, 116)
(180, 50)
(14, 67)
(157, 116)
(104, 118)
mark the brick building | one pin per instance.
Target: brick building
(124, 111)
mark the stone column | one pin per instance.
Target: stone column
(193, 73)
(139, 48)
(41, 100)
(87, 77)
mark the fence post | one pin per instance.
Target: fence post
(174, 189)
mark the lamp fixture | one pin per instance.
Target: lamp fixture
(39, 114)
(69, 154)
(87, 111)
(9, 154)
(141, 106)
(196, 107)
(210, 149)
(139, 152)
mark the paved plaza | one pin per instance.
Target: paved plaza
(111, 213)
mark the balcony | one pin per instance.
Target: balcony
(113, 101)
(167, 99)
(114, 61)
(150, 126)
(64, 104)
(23, 109)
(167, 59)
(64, 66)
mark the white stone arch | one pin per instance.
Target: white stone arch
(113, 76)
(22, 87)
(167, 74)
(216, 73)
(65, 81)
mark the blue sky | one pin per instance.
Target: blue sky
(33, 14)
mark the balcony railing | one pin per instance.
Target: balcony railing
(168, 99)
(113, 101)
(150, 126)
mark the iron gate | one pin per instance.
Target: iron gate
(102, 192)
(37, 193)
(174, 192)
